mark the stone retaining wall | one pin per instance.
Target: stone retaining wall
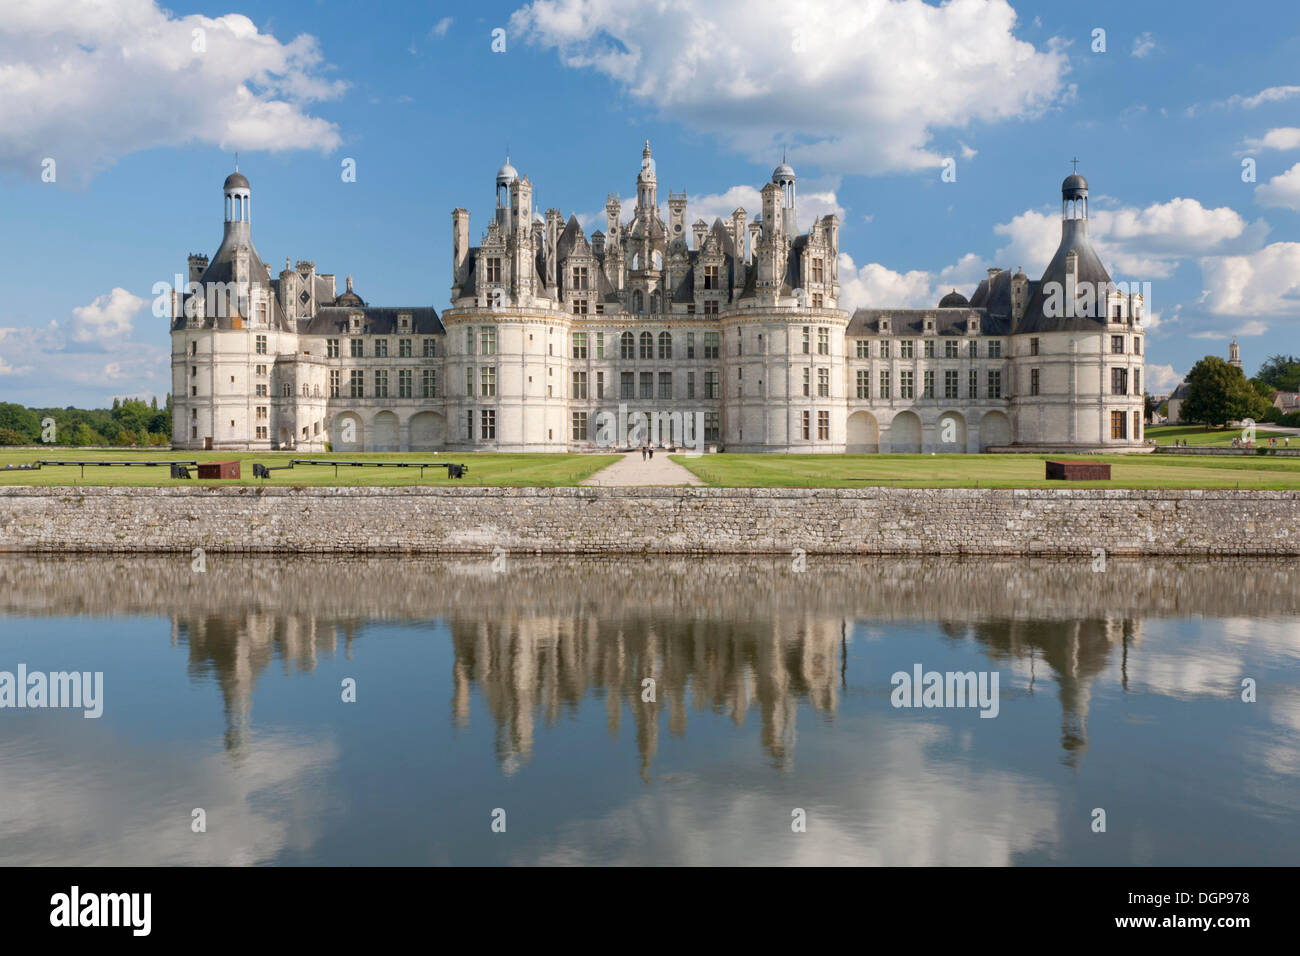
(650, 520)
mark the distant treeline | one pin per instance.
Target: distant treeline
(130, 421)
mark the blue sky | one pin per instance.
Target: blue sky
(870, 97)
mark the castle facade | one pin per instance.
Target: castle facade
(733, 328)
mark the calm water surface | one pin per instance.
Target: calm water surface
(523, 691)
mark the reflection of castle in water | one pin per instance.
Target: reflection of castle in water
(235, 649)
(723, 636)
(535, 668)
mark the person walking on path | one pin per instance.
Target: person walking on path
(652, 452)
(643, 452)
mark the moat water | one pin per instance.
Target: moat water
(503, 713)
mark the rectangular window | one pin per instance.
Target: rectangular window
(469, 341)
(429, 383)
(806, 422)
(665, 346)
(929, 348)
(807, 383)
(995, 383)
(487, 340)
(261, 345)
(487, 424)
(712, 426)
(928, 384)
(262, 389)
(493, 269)
(579, 385)
(430, 348)
(600, 345)
(647, 385)
(823, 341)
(580, 345)
(884, 348)
(626, 386)
(580, 306)
(580, 425)
(710, 384)
(286, 390)
(469, 425)
(403, 348)
(580, 278)
(600, 384)
(381, 348)
(823, 426)
(1137, 383)
(336, 383)
(817, 300)
(711, 345)
(690, 345)
(973, 384)
(1137, 426)
(487, 380)
(261, 411)
(884, 383)
(381, 383)
(807, 340)
(823, 383)
(356, 384)
(864, 383)
(974, 349)
(950, 384)
(665, 384)
(331, 348)
(690, 384)
(818, 271)
(710, 306)
(1117, 425)
(469, 381)
(906, 384)
(626, 346)
(1119, 381)
(1033, 381)
(404, 383)
(905, 349)
(995, 349)
(1137, 345)
(864, 348)
(1117, 345)
(951, 348)
(711, 278)
(645, 346)
(355, 347)
(1033, 346)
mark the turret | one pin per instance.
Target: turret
(646, 182)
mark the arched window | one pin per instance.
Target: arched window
(647, 345)
(665, 345)
(658, 258)
(638, 302)
(626, 348)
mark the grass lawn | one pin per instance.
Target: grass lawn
(484, 469)
(985, 471)
(1200, 435)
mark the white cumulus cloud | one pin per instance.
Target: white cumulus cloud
(107, 319)
(1283, 190)
(1264, 282)
(1143, 44)
(862, 86)
(86, 82)
(1282, 138)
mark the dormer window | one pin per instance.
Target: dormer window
(884, 326)
(354, 322)
(404, 322)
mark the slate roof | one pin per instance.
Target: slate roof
(334, 320)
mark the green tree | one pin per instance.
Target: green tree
(1149, 403)
(1218, 393)
(22, 420)
(9, 436)
(1280, 373)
